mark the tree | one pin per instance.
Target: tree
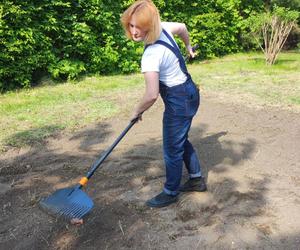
(271, 30)
(291, 4)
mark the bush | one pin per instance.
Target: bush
(66, 38)
(66, 69)
(271, 30)
(24, 48)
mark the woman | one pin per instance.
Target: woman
(166, 74)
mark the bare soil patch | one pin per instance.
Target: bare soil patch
(250, 157)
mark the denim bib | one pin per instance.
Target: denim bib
(182, 99)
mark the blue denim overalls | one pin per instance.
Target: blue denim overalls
(181, 104)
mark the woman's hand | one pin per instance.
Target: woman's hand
(191, 51)
(150, 96)
(136, 116)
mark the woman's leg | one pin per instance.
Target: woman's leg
(191, 160)
(175, 134)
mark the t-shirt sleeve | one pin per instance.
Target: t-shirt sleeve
(150, 61)
(166, 26)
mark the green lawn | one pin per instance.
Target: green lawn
(247, 76)
(29, 116)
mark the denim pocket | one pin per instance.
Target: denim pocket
(182, 105)
(175, 104)
(192, 104)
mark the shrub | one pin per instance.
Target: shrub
(65, 38)
(271, 30)
(66, 69)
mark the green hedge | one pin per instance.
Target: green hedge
(67, 38)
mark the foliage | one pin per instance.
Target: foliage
(63, 38)
(291, 4)
(66, 69)
(272, 29)
(24, 48)
(215, 25)
(66, 38)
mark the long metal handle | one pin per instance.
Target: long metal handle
(99, 161)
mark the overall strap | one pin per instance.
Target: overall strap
(175, 49)
(170, 38)
(178, 55)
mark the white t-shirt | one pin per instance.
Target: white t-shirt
(160, 59)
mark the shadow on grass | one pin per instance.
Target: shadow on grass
(279, 62)
(32, 137)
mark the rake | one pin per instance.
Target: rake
(72, 202)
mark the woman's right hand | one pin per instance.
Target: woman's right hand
(191, 51)
(136, 116)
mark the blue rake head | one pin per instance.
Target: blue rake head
(68, 202)
(73, 202)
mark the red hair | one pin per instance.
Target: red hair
(147, 17)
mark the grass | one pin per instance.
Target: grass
(30, 116)
(247, 76)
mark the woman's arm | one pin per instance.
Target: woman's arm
(180, 30)
(150, 96)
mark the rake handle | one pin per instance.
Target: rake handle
(99, 161)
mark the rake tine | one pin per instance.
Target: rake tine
(72, 208)
(79, 213)
(75, 211)
(72, 211)
(55, 210)
(76, 215)
(83, 212)
(66, 214)
(62, 211)
(51, 208)
(59, 214)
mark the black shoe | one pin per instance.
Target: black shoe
(162, 200)
(195, 184)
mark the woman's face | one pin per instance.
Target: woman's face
(137, 33)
